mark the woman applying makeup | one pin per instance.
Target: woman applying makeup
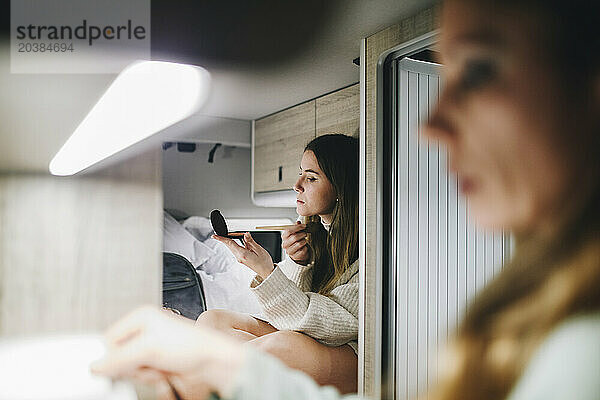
(520, 119)
(310, 299)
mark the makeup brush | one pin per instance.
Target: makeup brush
(310, 227)
(220, 226)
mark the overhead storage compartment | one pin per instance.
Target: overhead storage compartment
(279, 140)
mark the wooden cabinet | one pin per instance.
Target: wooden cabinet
(280, 138)
(278, 143)
(339, 112)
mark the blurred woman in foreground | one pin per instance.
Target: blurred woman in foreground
(520, 117)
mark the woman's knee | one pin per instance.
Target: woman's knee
(280, 342)
(216, 319)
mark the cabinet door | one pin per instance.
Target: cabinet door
(339, 112)
(279, 140)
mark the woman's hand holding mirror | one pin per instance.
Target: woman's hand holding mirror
(253, 255)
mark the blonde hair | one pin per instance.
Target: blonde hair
(553, 275)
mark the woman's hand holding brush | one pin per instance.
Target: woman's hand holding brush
(293, 241)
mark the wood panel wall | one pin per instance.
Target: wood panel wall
(339, 112)
(279, 140)
(409, 28)
(78, 252)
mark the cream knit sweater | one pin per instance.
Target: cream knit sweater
(289, 304)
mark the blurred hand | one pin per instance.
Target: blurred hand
(295, 245)
(253, 255)
(155, 347)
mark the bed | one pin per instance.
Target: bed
(225, 281)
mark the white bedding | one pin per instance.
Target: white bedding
(226, 282)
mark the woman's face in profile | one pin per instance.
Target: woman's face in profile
(502, 116)
(314, 193)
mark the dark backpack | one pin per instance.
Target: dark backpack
(182, 288)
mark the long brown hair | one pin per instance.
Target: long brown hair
(552, 275)
(334, 251)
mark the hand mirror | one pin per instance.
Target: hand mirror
(220, 226)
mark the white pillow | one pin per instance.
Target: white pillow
(202, 251)
(199, 227)
(177, 240)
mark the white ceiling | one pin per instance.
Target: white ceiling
(39, 112)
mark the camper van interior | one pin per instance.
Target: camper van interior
(78, 252)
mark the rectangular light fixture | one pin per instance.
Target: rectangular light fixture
(145, 98)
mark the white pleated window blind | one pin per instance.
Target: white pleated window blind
(436, 260)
